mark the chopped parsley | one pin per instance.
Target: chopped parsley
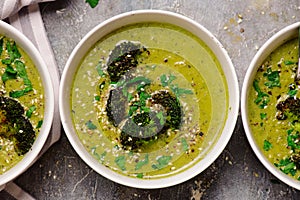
(39, 125)
(30, 111)
(97, 98)
(287, 166)
(273, 78)
(267, 145)
(185, 145)
(167, 81)
(121, 161)
(100, 70)
(262, 98)
(92, 3)
(14, 69)
(289, 62)
(140, 175)
(141, 163)
(162, 161)
(263, 115)
(90, 125)
(292, 90)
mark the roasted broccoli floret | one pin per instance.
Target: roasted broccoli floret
(123, 58)
(146, 127)
(115, 107)
(141, 129)
(15, 126)
(290, 105)
(172, 106)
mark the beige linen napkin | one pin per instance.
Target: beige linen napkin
(25, 16)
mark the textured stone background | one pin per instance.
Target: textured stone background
(242, 26)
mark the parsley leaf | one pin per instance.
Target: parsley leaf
(92, 3)
(40, 123)
(30, 111)
(160, 115)
(261, 96)
(292, 141)
(9, 73)
(140, 175)
(162, 161)
(273, 78)
(97, 98)
(263, 115)
(286, 166)
(292, 90)
(267, 145)
(141, 163)
(19, 93)
(167, 81)
(185, 145)
(90, 125)
(121, 161)
(180, 91)
(99, 69)
(288, 62)
(21, 70)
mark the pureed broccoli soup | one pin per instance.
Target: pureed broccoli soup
(148, 100)
(274, 108)
(21, 103)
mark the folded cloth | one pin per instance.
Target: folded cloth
(10, 7)
(30, 23)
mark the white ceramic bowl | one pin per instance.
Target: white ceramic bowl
(29, 158)
(274, 42)
(145, 16)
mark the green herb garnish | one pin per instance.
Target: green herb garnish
(99, 69)
(40, 123)
(121, 161)
(19, 93)
(273, 78)
(9, 74)
(162, 161)
(99, 157)
(167, 81)
(92, 3)
(30, 111)
(263, 115)
(160, 115)
(185, 145)
(286, 166)
(267, 145)
(140, 175)
(288, 62)
(261, 96)
(90, 125)
(97, 98)
(293, 140)
(141, 163)
(180, 91)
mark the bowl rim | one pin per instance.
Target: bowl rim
(31, 156)
(184, 175)
(270, 45)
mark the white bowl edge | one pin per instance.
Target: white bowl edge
(275, 41)
(185, 23)
(34, 54)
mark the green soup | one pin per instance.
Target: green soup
(21, 103)
(148, 100)
(273, 107)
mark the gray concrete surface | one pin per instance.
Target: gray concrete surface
(242, 26)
